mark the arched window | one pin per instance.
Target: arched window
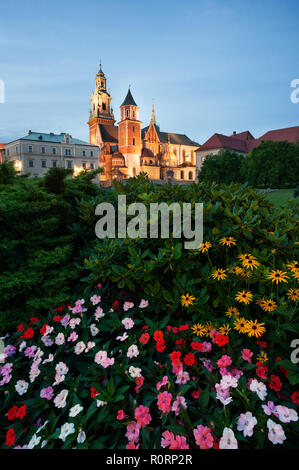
(182, 175)
(190, 175)
(104, 107)
(133, 141)
(127, 113)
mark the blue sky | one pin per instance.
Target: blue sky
(210, 65)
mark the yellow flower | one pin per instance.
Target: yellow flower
(228, 241)
(187, 300)
(234, 270)
(293, 294)
(240, 325)
(232, 311)
(244, 296)
(262, 357)
(293, 266)
(245, 256)
(224, 329)
(260, 301)
(198, 329)
(219, 274)
(268, 305)
(251, 263)
(208, 328)
(278, 276)
(253, 328)
(205, 247)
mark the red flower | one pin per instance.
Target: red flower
(21, 412)
(221, 340)
(10, 437)
(262, 372)
(275, 383)
(93, 393)
(195, 394)
(144, 338)
(33, 320)
(262, 344)
(145, 327)
(282, 370)
(139, 382)
(21, 327)
(57, 318)
(115, 305)
(184, 327)
(43, 329)
(160, 346)
(58, 309)
(12, 413)
(175, 356)
(295, 397)
(29, 333)
(175, 329)
(197, 346)
(189, 359)
(158, 336)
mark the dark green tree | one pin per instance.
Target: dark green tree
(223, 167)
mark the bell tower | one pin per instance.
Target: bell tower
(101, 111)
(129, 134)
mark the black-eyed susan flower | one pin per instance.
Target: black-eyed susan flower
(232, 311)
(240, 324)
(259, 301)
(293, 266)
(198, 329)
(208, 328)
(262, 357)
(205, 247)
(227, 241)
(234, 270)
(244, 297)
(253, 328)
(219, 274)
(293, 294)
(245, 256)
(224, 329)
(250, 263)
(278, 276)
(187, 300)
(269, 305)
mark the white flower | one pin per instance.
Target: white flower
(95, 299)
(34, 441)
(228, 381)
(135, 372)
(66, 430)
(276, 433)
(228, 440)
(286, 415)
(123, 337)
(101, 403)
(22, 346)
(90, 345)
(81, 437)
(259, 388)
(79, 348)
(61, 368)
(133, 351)
(143, 303)
(99, 313)
(127, 306)
(42, 427)
(94, 330)
(246, 423)
(60, 339)
(21, 387)
(75, 410)
(60, 399)
(49, 359)
(128, 323)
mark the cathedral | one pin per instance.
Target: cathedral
(127, 149)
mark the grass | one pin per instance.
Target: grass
(281, 197)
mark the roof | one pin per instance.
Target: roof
(129, 100)
(291, 134)
(109, 132)
(246, 135)
(2, 146)
(55, 138)
(164, 137)
(218, 141)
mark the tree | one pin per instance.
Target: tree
(272, 164)
(224, 167)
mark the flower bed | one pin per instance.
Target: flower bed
(104, 373)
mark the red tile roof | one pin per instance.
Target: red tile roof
(2, 146)
(246, 135)
(218, 141)
(291, 134)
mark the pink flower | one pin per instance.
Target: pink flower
(167, 437)
(179, 401)
(224, 361)
(127, 306)
(142, 416)
(47, 393)
(143, 303)
(164, 402)
(163, 382)
(131, 445)
(182, 378)
(246, 355)
(179, 442)
(128, 323)
(133, 430)
(120, 415)
(203, 437)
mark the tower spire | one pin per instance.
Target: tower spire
(153, 118)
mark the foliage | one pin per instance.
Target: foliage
(7, 172)
(102, 373)
(224, 167)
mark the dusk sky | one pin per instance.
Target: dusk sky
(210, 65)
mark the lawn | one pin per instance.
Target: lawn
(281, 197)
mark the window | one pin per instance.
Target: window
(17, 149)
(54, 151)
(67, 151)
(44, 164)
(43, 150)
(91, 166)
(127, 113)
(84, 164)
(190, 175)
(69, 164)
(182, 175)
(133, 113)
(133, 141)
(184, 155)
(84, 153)
(91, 153)
(104, 107)
(133, 128)
(30, 148)
(30, 163)
(54, 163)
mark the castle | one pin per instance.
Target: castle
(126, 149)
